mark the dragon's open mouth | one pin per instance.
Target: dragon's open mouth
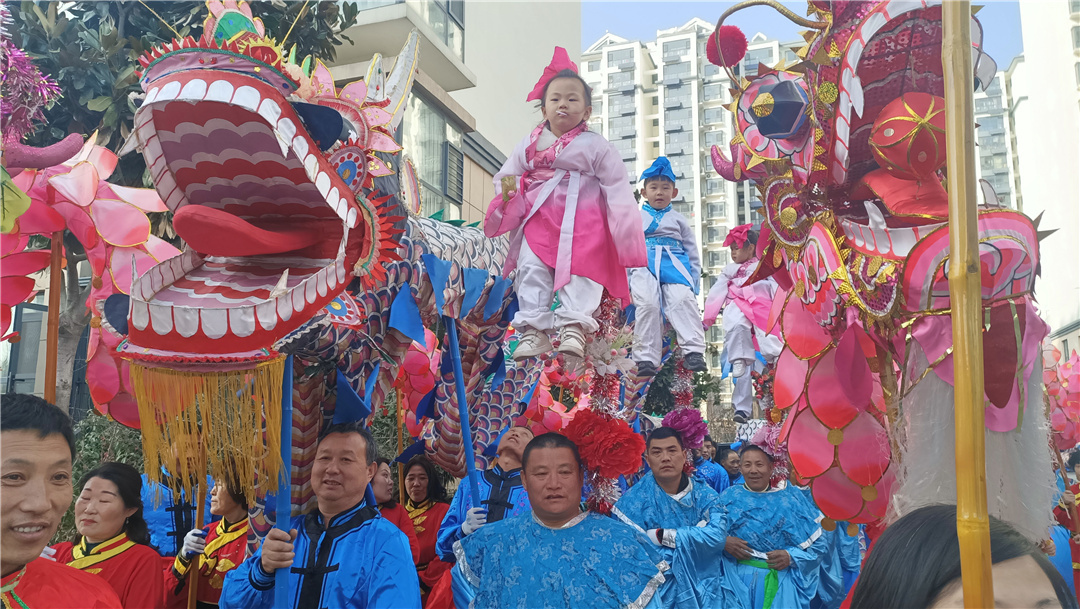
(265, 217)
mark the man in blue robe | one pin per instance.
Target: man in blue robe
(683, 517)
(557, 555)
(712, 473)
(342, 555)
(501, 495)
(727, 456)
(775, 542)
(169, 516)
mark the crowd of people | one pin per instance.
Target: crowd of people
(671, 540)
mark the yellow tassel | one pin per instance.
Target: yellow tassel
(233, 417)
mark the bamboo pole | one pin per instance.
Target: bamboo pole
(52, 342)
(200, 517)
(400, 443)
(965, 292)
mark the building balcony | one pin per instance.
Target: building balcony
(671, 104)
(673, 80)
(384, 28)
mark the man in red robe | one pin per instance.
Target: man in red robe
(37, 448)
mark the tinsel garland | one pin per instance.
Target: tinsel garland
(24, 91)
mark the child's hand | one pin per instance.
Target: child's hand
(509, 188)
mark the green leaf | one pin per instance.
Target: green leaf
(99, 104)
(123, 78)
(15, 202)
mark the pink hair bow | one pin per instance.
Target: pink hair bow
(559, 61)
(738, 236)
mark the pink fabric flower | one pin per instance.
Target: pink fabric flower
(688, 422)
(738, 236)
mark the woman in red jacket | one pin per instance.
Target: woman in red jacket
(382, 486)
(219, 547)
(427, 507)
(113, 541)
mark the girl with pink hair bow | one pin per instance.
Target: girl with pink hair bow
(745, 315)
(573, 222)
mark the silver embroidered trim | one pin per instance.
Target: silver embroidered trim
(626, 519)
(651, 587)
(463, 564)
(809, 542)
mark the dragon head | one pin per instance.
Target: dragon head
(268, 169)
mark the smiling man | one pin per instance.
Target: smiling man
(775, 543)
(342, 555)
(682, 516)
(37, 448)
(557, 555)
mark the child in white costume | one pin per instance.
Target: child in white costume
(746, 311)
(571, 217)
(668, 287)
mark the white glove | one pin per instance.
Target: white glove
(194, 543)
(48, 554)
(476, 518)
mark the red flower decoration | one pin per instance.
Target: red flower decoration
(607, 446)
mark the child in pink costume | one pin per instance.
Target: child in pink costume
(746, 313)
(573, 222)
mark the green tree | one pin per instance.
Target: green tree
(92, 49)
(660, 400)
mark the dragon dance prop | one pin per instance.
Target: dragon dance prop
(847, 147)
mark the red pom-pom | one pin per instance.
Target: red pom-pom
(732, 43)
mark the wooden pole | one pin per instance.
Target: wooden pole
(400, 444)
(965, 292)
(52, 342)
(200, 515)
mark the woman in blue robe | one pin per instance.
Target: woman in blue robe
(775, 544)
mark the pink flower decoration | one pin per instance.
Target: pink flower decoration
(688, 422)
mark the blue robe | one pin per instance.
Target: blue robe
(839, 568)
(591, 562)
(501, 494)
(170, 517)
(714, 474)
(782, 518)
(697, 526)
(360, 561)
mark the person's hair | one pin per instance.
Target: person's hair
(372, 453)
(550, 439)
(664, 432)
(19, 411)
(568, 73)
(917, 557)
(722, 452)
(751, 237)
(708, 439)
(436, 491)
(128, 482)
(1074, 459)
(751, 447)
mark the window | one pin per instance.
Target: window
(676, 49)
(713, 115)
(1076, 37)
(593, 66)
(713, 138)
(434, 144)
(716, 332)
(988, 104)
(616, 80)
(992, 141)
(714, 186)
(687, 190)
(447, 19)
(678, 137)
(1077, 69)
(19, 372)
(597, 105)
(681, 166)
(711, 71)
(617, 59)
(753, 58)
(713, 92)
(676, 95)
(621, 104)
(683, 207)
(718, 211)
(715, 260)
(677, 70)
(655, 78)
(620, 127)
(991, 124)
(1074, 7)
(677, 116)
(790, 57)
(655, 122)
(625, 146)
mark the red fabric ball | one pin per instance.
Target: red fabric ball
(908, 138)
(732, 43)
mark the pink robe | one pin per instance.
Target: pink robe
(576, 209)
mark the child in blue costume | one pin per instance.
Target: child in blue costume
(668, 288)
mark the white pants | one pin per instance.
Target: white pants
(535, 286)
(680, 306)
(739, 343)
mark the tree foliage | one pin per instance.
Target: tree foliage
(660, 400)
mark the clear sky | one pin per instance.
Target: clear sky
(640, 20)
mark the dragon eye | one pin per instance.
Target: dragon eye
(780, 109)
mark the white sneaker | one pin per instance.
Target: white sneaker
(738, 368)
(572, 341)
(533, 343)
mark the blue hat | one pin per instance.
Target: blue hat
(661, 168)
